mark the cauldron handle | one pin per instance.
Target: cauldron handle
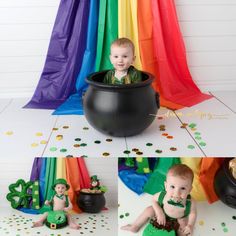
(157, 100)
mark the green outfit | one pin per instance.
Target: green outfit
(154, 229)
(133, 76)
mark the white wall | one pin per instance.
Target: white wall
(14, 169)
(25, 30)
(209, 31)
(208, 27)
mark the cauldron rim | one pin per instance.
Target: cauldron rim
(81, 192)
(102, 85)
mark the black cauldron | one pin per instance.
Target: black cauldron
(120, 110)
(225, 185)
(91, 202)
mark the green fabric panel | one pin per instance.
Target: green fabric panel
(107, 32)
(100, 34)
(156, 181)
(50, 177)
(35, 195)
(129, 161)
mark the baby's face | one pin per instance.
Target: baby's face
(177, 188)
(121, 57)
(60, 189)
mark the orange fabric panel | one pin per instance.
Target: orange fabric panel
(174, 81)
(146, 48)
(208, 169)
(72, 177)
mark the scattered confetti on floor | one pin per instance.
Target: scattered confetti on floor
(191, 146)
(34, 144)
(158, 151)
(59, 137)
(106, 154)
(43, 142)
(167, 133)
(149, 144)
(19, 224)
(201, 222)
(197, 136)
(53, 149)
(9, 133)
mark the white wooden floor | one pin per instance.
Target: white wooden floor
(209, 131)
(216, 219)
(16, 223)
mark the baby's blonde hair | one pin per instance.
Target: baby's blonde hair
(123, 42)
(182, 171)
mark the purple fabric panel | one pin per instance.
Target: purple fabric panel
(64, 57)
(36, 168)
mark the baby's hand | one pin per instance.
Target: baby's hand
(161, 218)
(47, 203)
(187, 230)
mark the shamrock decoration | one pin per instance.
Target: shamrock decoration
(35, 195)
(19, 195)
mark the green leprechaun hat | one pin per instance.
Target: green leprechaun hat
(60, 181)
(94, 178)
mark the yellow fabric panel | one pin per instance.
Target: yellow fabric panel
(195, 164)
(128, 25)
(61, 168)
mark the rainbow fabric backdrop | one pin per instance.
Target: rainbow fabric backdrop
(47, 170)
(80, 44)
(149, 174)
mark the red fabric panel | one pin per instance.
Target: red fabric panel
(174, 81)
(146, 48)
(83, 174)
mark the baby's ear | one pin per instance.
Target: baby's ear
(191, 188)
(165, 185)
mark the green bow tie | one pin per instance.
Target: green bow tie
(60, 196)
(178, 204)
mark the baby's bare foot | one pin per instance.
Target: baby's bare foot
(74, 226)
(37, 224)
(131, 228)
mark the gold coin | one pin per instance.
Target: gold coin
(34, 144)
(59, 137)
(43, 142)
(9, 133)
